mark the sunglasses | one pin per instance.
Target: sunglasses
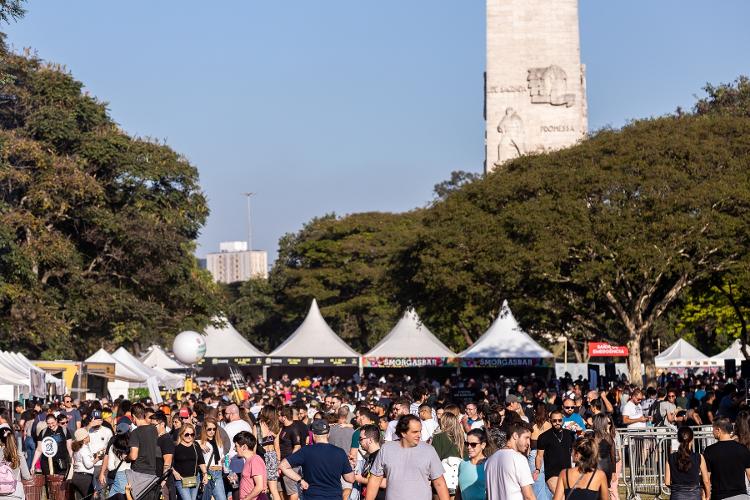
(209, 429)
(569, 407)
(188, 435)
(556, 420)
(472, 445)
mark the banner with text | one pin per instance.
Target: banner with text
(507, 362)
(408, 362)
(604, 349)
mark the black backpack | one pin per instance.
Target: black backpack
(655, 413)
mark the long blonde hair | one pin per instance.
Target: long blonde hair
(217, 434)
(10, 451)
(451, 427)
(185, 427)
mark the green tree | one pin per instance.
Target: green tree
(97, 228)
(344, 264)
(603, 237)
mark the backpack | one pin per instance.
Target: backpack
(7, 479)
(655, 413)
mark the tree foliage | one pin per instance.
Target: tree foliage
(96, 228)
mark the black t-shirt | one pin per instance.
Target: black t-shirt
(558, 447)
(691, 477)
(303, 431)
(187, 459)
(145, 438)
(726, 462)
(166, 447)
(289, 437)
(366, 473)
(61, 458)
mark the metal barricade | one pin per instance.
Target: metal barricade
(646, 452)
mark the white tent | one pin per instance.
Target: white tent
(228, 343)
(506, 344)
(734, 352)
(15, 370)
(409, 344)
(122, 372)
(163, 378)
(683, 355)
(314, 343)
(156, 357)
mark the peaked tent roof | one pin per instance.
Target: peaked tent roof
(410, 338)
(314, 338)
(682, 353)
(734, 351)
(506, 339)
(122, 372)
(157, 357)
(163, 378)
(227, 342)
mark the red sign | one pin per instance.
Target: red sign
(604, 349)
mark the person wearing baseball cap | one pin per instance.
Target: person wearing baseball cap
(99, 436)
(323, 465)
(83, 463)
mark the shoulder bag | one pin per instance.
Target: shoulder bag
(192, 481)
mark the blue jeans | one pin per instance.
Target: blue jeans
(30, 449)
(540, 486)
(215, 486)
(186, 493)
(118, 486)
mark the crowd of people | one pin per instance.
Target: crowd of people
(389, 437)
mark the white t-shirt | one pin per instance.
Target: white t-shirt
(390, 431)
(507, 471)
(633, 411)
(233, 428)
(428, 428)
(99, 438)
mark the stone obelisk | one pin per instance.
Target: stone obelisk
(535, 84)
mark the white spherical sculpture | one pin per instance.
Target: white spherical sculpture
(189, 347)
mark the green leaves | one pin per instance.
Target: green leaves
(97, 227)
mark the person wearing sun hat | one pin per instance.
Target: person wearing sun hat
(83, 463)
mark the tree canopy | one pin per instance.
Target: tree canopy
(96, 227)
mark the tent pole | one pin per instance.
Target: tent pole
(566, 354)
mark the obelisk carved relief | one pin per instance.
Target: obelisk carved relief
(535, 85)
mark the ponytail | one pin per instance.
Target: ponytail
(684, 455)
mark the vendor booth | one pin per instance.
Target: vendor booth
(410, 344)
(313, 345)
(506, 345)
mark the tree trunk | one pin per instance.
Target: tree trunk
(634, 360)
(648, 361)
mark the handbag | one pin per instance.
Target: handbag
(192, 481)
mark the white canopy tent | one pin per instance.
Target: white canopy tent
(227, 343)
(734, 351)
(156, 357)
(314, 343)
(505, 344)
(409, 344)
(163, 378)
(125, 378)
(683, 355)
(17, 371)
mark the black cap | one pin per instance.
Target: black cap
(320, 427)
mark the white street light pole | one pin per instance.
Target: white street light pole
(249, 222)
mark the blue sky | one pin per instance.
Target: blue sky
(347, 105)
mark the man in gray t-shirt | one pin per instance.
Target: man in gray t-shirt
(341, 437)
(409, 465)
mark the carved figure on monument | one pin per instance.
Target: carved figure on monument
(550, 86)
(512, 137)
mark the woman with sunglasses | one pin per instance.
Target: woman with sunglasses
(471, 479)
(214, 451)
(187, 461)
